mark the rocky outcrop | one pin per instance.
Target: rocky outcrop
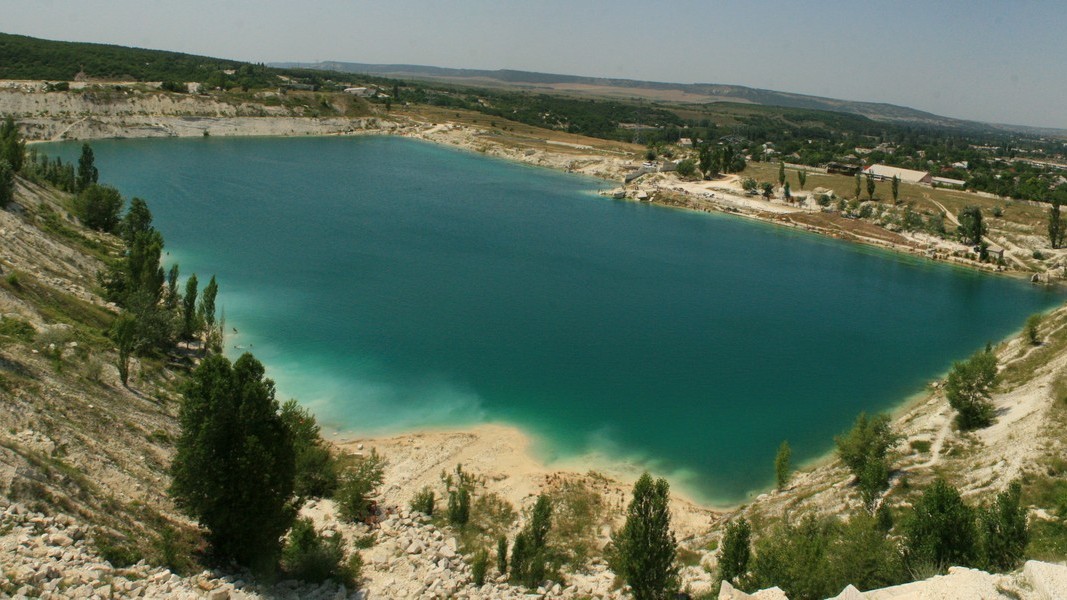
(1035, 581)
(51, 557)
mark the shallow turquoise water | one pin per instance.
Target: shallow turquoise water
(392, 284)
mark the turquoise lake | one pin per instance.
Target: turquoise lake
(391, 285)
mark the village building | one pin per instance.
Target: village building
(361, 92)
(947, 182)
(838, 168)
(886, 173)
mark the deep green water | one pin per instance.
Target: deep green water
(392, 284)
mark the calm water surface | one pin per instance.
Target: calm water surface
(392, 284)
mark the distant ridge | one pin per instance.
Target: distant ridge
(695, 93)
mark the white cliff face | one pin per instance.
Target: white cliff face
(1035, 581)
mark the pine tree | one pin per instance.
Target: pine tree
(781, 173)
(864, 450)
(802, 178)
(940, 532)
(645, 548)
(87, 171)
(735, 552)
(529, 555)
(233, 468)
(12, 146)
(1003, 530)
(895, 187)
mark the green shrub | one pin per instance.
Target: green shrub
(459, 485)
(940, 530)
(920, 446)
(423, 501)
(577, 513)
(316, 468)
(864, 449)
(14, 329)
(968, 386)
(120, 553)
(1032, 325)
(174, 550)
(358, 484)
(1003, 531)
(311, 556)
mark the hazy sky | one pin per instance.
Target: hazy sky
(994, 61)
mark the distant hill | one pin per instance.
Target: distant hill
(696, 93)
(24, 57)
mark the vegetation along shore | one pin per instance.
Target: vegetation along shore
(137, 461)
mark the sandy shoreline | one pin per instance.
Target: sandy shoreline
(503, 455)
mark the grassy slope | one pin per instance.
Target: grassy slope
(73, 440)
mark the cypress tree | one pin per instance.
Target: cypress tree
(87, 171)
(207, 303)
(189, 324)
(645, 548)
(1056, 229)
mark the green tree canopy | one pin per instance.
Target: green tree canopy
(316, 469)
(971, 227)
(864, 449)
(98, 207)
(190, 322)
(12, 146)
(1057, 230)
(7, 184)
(645, 548)
(234, 465)
(1003, 530)
(735, 551)
(88, 174)
(940, 531)
(968, 387)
